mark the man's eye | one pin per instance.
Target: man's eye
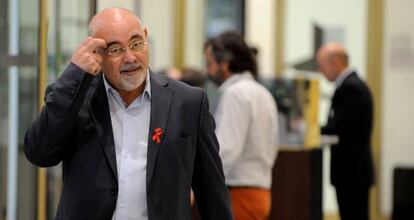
(115, 50)
(135, 45)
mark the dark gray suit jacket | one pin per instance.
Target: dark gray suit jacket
(74, 128)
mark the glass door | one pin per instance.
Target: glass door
(18, 98)
(25, 190)
(67, 28)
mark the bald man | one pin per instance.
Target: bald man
(350, 118)
(132, 143)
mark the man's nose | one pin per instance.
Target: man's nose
(129, 56)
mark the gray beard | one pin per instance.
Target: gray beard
(130, 83)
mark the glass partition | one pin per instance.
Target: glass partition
(67, 28)
(18, 97)
(19, 76)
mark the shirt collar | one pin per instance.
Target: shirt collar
(342, 76)
(110, 91)
(235, 77)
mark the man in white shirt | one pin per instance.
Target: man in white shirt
(247, 129)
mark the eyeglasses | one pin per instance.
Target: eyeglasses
(136, 46)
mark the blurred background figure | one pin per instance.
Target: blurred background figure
(247, 131)
(172, 72)
(189, 75)
(193, 77)
(350, 118)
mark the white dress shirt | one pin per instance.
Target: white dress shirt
(247, 131)
(130, 127)
(342, 76)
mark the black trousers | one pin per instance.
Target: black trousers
(353, 202)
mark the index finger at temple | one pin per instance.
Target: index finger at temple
(86, 41)
(97, 44)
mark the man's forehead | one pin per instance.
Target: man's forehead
(119, 31)
(113, 18)
(133, 37)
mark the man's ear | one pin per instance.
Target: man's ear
(146, 32)
(225, 68)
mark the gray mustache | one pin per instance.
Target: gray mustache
(129, 66)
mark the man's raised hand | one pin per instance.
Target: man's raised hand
(88, 56)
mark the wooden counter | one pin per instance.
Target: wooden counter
(297, 185)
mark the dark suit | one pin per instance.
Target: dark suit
(75, 127)
(352, 171)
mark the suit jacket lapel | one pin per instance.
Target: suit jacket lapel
(161, 98)
(99, 110)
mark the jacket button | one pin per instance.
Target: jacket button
(113, 192)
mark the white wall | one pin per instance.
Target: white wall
(349, 15)
(194, 34)
(398, 80)
(158, 16)
(260, 19)
(102, 4)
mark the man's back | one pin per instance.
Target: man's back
(247, 131)
(351, 120)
